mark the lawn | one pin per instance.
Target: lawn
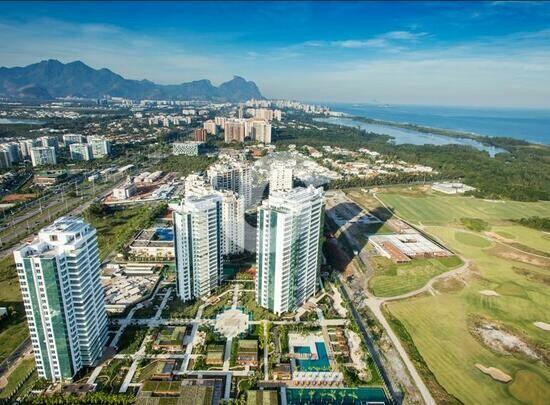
(17, 375)
(431, 209)
(392, 279)
(439, 326)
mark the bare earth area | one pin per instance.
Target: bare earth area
(495, 373)
(503, 341)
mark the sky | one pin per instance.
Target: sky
(494, 54)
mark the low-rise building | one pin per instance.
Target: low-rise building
(188, 148)
(247, 352)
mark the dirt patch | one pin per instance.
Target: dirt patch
(532, 275)
(449, 285)
(503, 340)
(17, 197)
(542, 325)
(495, 373)
(499, 237)
(489, 293)
(507, 253)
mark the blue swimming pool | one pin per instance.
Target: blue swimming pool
(165, 234)
(344, 396)
(321, 364)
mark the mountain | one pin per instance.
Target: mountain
(51, 78)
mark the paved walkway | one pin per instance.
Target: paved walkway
(163, 303)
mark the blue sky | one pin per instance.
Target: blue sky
(447, 53)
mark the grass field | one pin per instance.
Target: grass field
(392, 279)
(17, 375)
(439, 325)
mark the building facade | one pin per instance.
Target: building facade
(100, 147)
(200, 134)
(280, 178)
(81, 151)
(59, 274)
(198, 245)
(192, 148)
(287, 255)
(232, 175)
(43, 155)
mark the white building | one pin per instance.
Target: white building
(232, 223)
(289, 227)
(59, 274)
(27, 145)
(125, 191)
(233, 175)
(43, 155)
(100, 147)
(197, 245)
(280, 178)
(49, 141)
(73, 138)
(80, 151)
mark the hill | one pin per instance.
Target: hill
(51, 78)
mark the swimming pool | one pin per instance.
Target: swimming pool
(345, 396)
(164, 234)
(321, 364)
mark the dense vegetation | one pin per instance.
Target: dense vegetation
(522, 174)
(184, 165)
(542, 224)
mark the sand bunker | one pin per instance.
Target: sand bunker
(495, 373)
(542, 325)
(489, 293)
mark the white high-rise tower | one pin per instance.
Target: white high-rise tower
(280, 178)
(232, 175)
(198, 245)
(59, 273)
(289, 228)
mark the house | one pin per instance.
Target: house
(214, 355)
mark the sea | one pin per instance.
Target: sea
(532, 125)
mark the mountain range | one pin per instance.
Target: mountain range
(50, 79)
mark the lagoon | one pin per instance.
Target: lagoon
(408, 136)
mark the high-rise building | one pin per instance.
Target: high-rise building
(235, 130)
(27, 145)
(43, 155)
(232, 223)
(73, 138)
(289, 227)
(280, 178)
(50, 141)
(59, 273)
(198, 247)
(233, 175)
(260, 131)
(220, 121)
(200, 134)
(5, 159)
(211, 127)
(14, 151)
(191, 148)
(80, 151)
(100, 147)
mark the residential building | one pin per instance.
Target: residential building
(260, 131)
(5, 159)
(100, 147)
(26, 147)
(200, 134)
(235, 130)
(211, 127)
(14, 151)
(220, 121)
(49, 141)
(232, 237)
(280, 178)
(80, 151)
(198, 248)
(73, 138)
(233, 175)
(59, 274)
(192, 148)
(289, 227)
(43, 155)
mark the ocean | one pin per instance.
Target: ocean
(532, 125)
